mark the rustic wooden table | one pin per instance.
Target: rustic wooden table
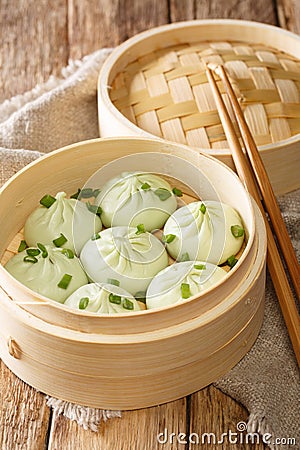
(37, 39)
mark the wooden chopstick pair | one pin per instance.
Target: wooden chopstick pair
(251, 171)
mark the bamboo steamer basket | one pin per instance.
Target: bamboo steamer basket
(154, 84)
(132, 360)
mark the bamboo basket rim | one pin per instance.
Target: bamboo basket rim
(69, 148)
(103, 77)
(177, 329)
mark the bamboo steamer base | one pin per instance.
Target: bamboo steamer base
(140, 359)
(127, 393)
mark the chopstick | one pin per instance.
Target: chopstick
(265, 186)
(275, 266)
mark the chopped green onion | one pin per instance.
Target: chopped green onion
(33, 251)
(96, 192)
(185, 257)
(94, 208)
(31, 259)
(140, 229)
(86, 193)
(145, 186)
(76, 195)
(141, 296)
(113, 281)
(185, 290)
(83, 303)
(237, 231)
(177, 192)
(231, 261)
(168, 238)
(23, 245)
(95, 237)
(203, 208)
(68, 253)
(200, 266)
(47, 200)
(43, 250)
(162, 193)
(114, 299)
(61, 240)
(128, 304)
(65, 281)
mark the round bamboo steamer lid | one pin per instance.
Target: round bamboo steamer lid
(154, 84)
(133, 360)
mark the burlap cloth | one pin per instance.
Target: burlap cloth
(64, 111)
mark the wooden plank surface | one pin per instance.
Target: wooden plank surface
(37, 38)
(93, 24)
(24, 416)
(288, 12)
(137, 430)
(229, 9)
(226, 412)
(24, 25)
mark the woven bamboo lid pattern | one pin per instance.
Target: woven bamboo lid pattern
(166, 92)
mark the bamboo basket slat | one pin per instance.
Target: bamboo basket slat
(174, 350)
(155, 84)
